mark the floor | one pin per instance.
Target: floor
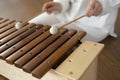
(109, 59)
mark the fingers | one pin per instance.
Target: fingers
(89, 11)
(46, 6)
(51, 6)
(97, 9)
(94, 9)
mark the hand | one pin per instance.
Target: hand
(49, 7)
(94, 8)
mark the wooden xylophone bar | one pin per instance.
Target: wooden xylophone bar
(8, 30)
(32, 48)
(52, 60)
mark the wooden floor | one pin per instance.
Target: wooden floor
(109, 59)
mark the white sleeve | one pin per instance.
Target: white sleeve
(64, 3)
(109, 5)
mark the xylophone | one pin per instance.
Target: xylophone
(33, 50)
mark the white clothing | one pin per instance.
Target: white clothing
(109, 5)
(97, 28)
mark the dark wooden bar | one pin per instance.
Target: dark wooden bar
(11, 25)
(13, 35)
(6, 23)
(3, 20)
(37, 36)
(17, 39)
(45, 53)
(21, 43)
(33, 52)
(46, 65)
